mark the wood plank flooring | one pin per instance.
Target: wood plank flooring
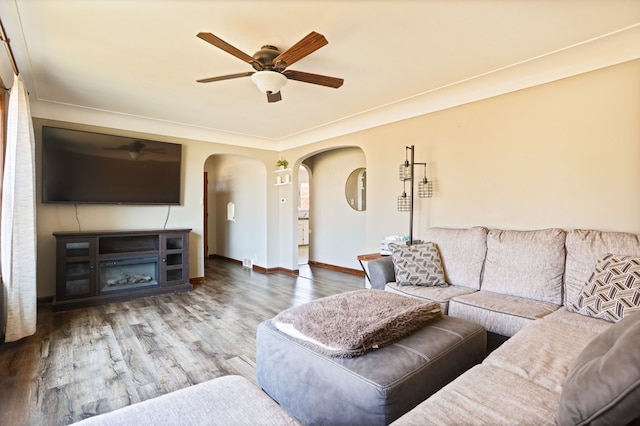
(93, 360)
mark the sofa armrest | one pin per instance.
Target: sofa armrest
(381, 272)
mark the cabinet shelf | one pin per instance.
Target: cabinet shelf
(127, 254)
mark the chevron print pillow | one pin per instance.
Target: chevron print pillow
(417, 264)
(613, 289)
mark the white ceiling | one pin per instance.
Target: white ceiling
(133, 64)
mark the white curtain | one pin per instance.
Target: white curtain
(18, 227)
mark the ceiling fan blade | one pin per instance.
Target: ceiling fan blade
(225, 77)
(274, 97)
(322, 80)
(309, 44)
(221, 44)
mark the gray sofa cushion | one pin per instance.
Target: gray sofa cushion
(527, 264)
(499, 313)
(585, 247)
(486, 395)
(564, 315)
(228, 400)
(462, 252)
(603, 384)
(441, 295)
(542, 352)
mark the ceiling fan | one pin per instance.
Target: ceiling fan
(270, 64)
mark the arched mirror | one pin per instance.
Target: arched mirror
(355, 190)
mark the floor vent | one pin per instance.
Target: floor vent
(247, 263)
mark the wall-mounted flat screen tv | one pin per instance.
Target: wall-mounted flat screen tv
(93, 168)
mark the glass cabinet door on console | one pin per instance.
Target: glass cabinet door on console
(76, 270)
(174, 262)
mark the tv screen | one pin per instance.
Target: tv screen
(85, 167)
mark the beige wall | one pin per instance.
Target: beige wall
(563, 154)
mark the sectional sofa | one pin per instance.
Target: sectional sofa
(561, 297)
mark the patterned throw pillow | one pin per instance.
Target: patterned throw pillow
(417, 264)
(613, 289)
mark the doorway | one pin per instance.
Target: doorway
(235, 218)
(304, 200)
(337, 218)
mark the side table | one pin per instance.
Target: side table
(364, 259)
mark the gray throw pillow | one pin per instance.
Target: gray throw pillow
(418, 264)
(603, 384)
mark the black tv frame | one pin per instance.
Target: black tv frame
(82, 167)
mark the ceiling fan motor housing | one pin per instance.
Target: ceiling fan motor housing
(265, 57)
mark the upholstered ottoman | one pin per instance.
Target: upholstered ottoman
(372, 389)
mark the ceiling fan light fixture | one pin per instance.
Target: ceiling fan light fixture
(269, 81)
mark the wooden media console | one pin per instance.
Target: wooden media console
(104, 266)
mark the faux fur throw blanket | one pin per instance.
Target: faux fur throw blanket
(353, 323)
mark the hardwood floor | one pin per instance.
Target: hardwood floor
(88, 361)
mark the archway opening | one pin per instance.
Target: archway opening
(304, 203)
